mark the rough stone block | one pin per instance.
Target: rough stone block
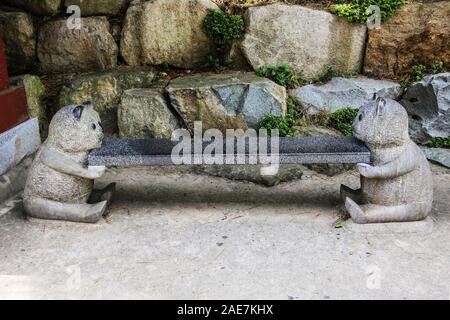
(17, 143)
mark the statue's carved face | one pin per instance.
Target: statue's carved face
(381, 122)
(76, 128)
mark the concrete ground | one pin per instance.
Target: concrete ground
(175, 235)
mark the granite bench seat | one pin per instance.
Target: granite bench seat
(147, 152)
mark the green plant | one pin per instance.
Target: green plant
(282, 123)
(438, 142)
(404, 84)
(222, 28)
(357, 10)
(418, 71)
(437, 67)
(328, 72)
(342, 120)
(294, 107)
(281, 74)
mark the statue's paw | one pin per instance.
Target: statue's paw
(366, 170)
(354, 210)
(95, 212)
(96, 172)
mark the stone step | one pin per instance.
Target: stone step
(146, 152)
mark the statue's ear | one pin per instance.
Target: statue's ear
(77, 112)
(88, 105)
(381, 103)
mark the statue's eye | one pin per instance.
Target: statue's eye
(93, 126)
(360, 117)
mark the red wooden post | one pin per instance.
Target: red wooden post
(4, 82)
(13, 100)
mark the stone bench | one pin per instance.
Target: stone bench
(147, 152)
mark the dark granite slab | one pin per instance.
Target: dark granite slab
(145, 152)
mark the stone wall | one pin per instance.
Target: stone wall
(124, 45)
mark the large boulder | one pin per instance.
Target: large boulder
(167, 32)
(90, 48)
(438, 155)
(341, 93)
(105, 91)
(235, 100)
(19, 36)
(307, 39)
(145, 113)
(428, 106)
(37, 7)
(417, 34)
(98, 7)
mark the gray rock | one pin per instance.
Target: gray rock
(104, 89)
(307, 39)
(90, 48)
(19, 36)
(232, 100)
(98, 7)
(59, 184)
(439, 155)
(398, 185)
(252, 173)
(167, 32)
(37, 7)
(428, 105)
(17, 143)
(144, 113)
(341, 93)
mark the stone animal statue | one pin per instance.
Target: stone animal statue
(398, 185)
(60, 185)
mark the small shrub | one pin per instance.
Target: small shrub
(437, 67)
(222, 28)
(342, 120)
(438, 142)
(404, 84)
(294, 107)
(418, 71)
(282, 123)
(357, 10)
(282, 74)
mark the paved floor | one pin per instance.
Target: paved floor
(182, 236)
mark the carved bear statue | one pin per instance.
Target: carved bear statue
(60, 185)
(398, 185)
